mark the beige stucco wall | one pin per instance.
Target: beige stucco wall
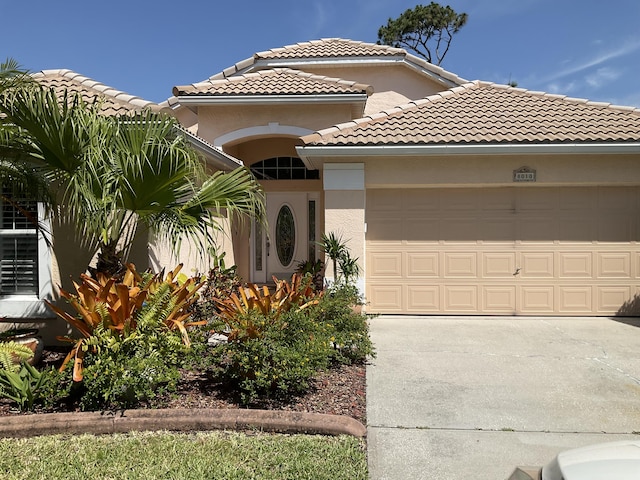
(215, 121)
(344, 216)
(388, 78)
(194, 260)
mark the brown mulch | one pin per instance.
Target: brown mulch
(339, 391)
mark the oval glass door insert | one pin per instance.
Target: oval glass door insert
(285, 235)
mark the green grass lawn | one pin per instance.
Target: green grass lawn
(200, 455)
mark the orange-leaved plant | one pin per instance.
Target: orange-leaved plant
(235, 310)
(117, 305)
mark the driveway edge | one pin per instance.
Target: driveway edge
(181, 420)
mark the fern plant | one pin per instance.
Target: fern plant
(12, 354)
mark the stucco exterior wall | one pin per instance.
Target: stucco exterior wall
(392, 78)
(215, 121)
(161, 255)
(344, 210)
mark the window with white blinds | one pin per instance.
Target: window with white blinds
(18, 246)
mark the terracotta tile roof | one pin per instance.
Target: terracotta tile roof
(330, 47)
(114, 102)
(486, 113)
(326, 49)
(279, 81)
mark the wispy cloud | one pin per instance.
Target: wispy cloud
(625, 49)
(602, 76)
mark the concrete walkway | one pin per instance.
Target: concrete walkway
(473, 397)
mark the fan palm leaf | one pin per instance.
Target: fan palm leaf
(114, 173)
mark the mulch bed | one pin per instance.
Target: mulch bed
(339, 391)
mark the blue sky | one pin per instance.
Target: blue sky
(581, 48)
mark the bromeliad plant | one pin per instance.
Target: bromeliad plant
(110, 311)
(236, 310)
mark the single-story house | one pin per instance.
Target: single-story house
(457, 197)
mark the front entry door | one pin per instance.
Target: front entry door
(289, 237)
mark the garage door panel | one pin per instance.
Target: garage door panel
(384, 201)
(536, 265)
(616, 199)
(614, 228)
(576, 199)
(459, 200)
(611, 298)
(460, 264)
(497, 200)
(575, 299)
(614, 264)
(421, 229)
(530, 200)
(496, 298)
(456, 230)
(574, 251)
(385, 264)
(537, 229)
(421, 200)
(575, 265)
(576, 229)
(462, 298)
(387, 230)
(423, 298)
(385, 298)
(498, 265)
(536, 299)
(423, 264)
(497, 230)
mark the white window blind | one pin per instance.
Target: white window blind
(18, 246)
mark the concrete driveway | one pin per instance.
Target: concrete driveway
(473, 397)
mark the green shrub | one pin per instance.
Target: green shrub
(281, 361)
(348, 330)
(121, 371)
(126, 377)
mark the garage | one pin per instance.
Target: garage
(525, 250)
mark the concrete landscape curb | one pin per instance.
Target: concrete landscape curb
(182, 420)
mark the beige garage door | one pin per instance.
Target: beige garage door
(511, 251)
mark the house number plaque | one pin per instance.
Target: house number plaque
(524, 174)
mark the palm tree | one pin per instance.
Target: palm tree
(336, 249)
(112, 174)
(15, 171)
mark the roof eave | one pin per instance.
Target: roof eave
(308, 151)
(200, 100)
(213, 155)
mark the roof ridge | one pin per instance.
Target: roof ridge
(100, 87)
(565, 98)
(277, 71)
(326, 40)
